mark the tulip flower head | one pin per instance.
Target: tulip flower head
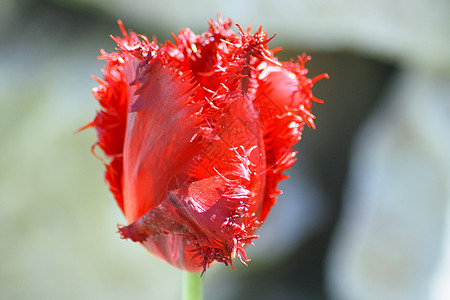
(196, 135)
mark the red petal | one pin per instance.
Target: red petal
(213, 217)
(114, 177)
(284, 100)
(114, 95)
(158, 139)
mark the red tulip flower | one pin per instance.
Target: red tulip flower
(197, 133)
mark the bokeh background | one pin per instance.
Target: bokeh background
(365, 214)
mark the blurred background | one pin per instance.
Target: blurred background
(365, 214)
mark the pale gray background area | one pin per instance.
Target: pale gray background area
(365, 214)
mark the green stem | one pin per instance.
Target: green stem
(192, 286)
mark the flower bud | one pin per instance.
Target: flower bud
(196, 135)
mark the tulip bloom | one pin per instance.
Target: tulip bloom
(197, 133)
